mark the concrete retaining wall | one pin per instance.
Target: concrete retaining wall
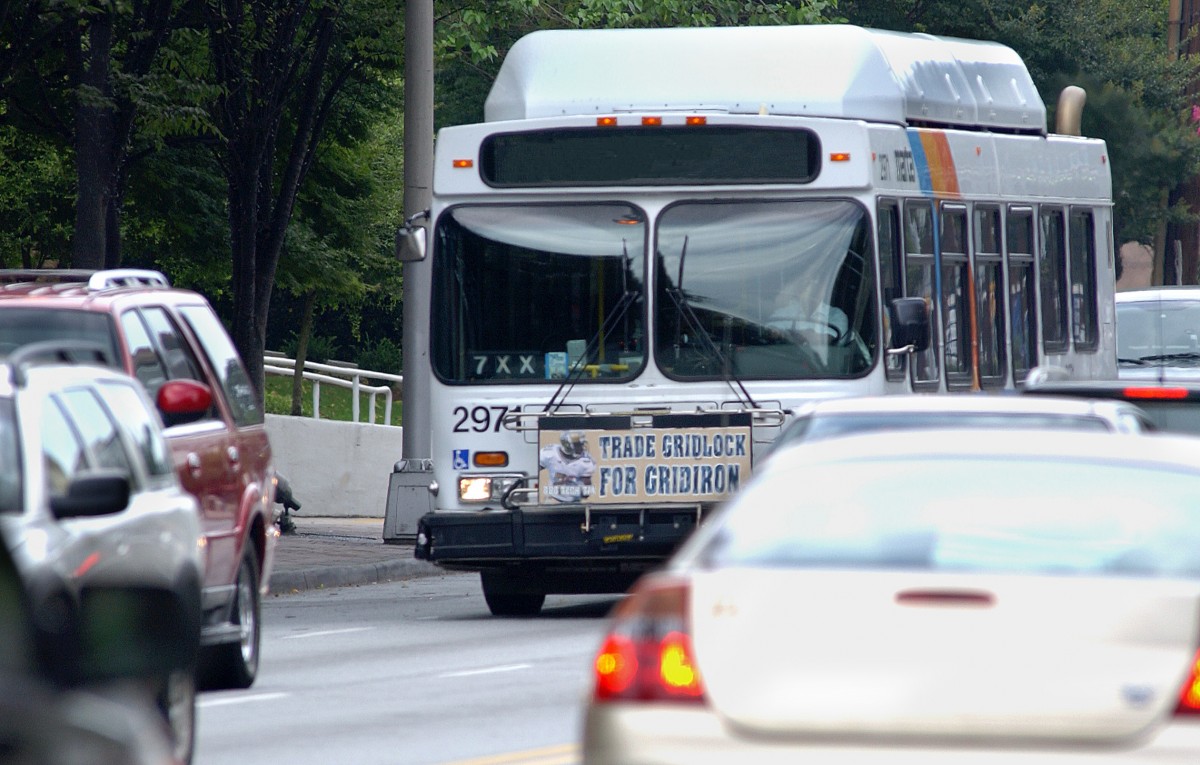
(335, 468)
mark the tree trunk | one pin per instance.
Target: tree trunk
(112, 232)
(302, 335)
(93, 147)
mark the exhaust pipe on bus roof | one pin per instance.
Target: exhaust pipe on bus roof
(1068, 118)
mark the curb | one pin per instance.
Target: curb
(326, 577)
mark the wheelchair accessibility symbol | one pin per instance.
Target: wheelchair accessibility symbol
(461, 459)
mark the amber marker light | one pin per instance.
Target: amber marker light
(464, 163)
(652, 121)
(491, 459)
(696, 119)
(839, 156)
(606, 122)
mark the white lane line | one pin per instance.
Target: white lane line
(487, 671)
(227, 700)
(323, 633)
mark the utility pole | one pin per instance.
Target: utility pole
(408, 496)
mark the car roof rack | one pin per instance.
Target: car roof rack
(106, 279)
(60, 351)
(127, 277)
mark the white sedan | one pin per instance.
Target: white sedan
(922, 597)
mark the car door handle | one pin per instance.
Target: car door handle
(193, 461)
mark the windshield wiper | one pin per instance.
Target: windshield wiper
(627, 299)
(679, 298)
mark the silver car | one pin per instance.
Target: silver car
(92, 511)
(844, 416)
(1158, 334)
(936, 596)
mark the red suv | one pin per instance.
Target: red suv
(222, 455)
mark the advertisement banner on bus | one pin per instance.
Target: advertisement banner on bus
(672, 459)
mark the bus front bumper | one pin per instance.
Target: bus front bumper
(595, 536)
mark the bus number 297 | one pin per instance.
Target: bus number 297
(478, 419)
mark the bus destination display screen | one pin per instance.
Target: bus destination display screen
(650, 156)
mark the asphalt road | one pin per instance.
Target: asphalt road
(411, 672)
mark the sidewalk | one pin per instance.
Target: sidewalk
(340, 552)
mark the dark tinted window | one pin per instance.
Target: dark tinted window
(21, 326)
(225, 361)
(147, 366)
(650, 156)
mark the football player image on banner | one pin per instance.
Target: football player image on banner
(570, 467)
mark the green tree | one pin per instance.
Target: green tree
(282, 67)
(338, 253)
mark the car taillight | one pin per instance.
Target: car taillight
(647, 654)
(1189, 696)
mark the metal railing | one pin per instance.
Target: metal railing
(343, 376)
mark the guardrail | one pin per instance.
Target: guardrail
(343, 376)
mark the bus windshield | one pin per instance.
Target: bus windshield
(763, 289)
(531, 293)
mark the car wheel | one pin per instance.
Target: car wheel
(506, 597)
(235, 664)
(177, 703)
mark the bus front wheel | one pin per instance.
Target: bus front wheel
(507, 595)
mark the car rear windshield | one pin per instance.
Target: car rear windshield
(21, 326)
(828, 426)
(1061, 517)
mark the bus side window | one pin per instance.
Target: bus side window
(1082, 242)
(989, 297)
(890, 279)
(919, 263)
(1052, 267)
(958, 355)
(1021, 291)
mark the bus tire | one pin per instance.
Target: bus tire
(505, 597)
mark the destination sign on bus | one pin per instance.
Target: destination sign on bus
(678, 458)
(658, 156)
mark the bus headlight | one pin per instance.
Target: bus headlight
(486, 488)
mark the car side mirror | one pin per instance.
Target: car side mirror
(910, 324)
(96, 492)
(182, 401)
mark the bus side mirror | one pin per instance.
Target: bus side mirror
(410, 239)
(910, 324)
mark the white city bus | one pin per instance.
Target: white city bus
(661, 241)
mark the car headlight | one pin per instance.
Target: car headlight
(486, 488)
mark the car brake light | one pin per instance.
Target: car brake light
(1151, 392)
(1189, 696)
(647, 654)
